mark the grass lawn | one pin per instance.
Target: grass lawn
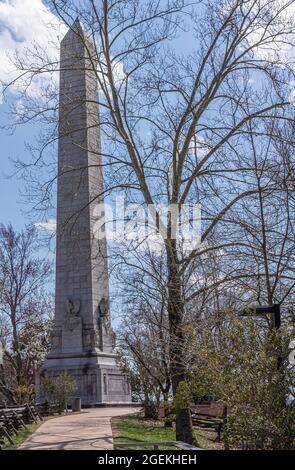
(136, 429)
(21, 436)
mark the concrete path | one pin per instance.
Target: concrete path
(89, 430)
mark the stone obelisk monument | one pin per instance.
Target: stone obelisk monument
(82, 338)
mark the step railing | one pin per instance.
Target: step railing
(157, 445)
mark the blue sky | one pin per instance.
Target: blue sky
(12, 209)
(12, 147)
(21, 23)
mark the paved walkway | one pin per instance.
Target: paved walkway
(89, 430)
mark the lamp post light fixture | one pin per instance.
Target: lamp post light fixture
(275, 314)
(273, 310)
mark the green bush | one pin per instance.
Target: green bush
(59, 389)
(183, 396)
(245, 365)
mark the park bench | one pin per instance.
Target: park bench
(210, 416)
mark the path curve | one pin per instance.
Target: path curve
(88, 430)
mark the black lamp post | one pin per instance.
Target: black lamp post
(275, 314)
(274, 311)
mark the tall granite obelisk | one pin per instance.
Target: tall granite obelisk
(82, 338)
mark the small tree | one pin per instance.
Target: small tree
(59, 389)
(25, 311)
(144, 331)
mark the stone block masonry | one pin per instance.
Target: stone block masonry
(82, 339)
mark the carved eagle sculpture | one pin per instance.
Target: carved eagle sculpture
(103, 308)
(73, 306)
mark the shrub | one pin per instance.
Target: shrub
(59, 389)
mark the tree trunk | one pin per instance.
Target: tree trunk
(167, 411)
(184, 427)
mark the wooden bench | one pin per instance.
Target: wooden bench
(210, 416)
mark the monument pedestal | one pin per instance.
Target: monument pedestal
(98, 377)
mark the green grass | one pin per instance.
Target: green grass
(136, 429)
(21, 436)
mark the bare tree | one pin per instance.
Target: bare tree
(257, 260)
(144, 331)
(25, 310)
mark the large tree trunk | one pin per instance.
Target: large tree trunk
(184, 428)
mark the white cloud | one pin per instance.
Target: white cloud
(118, 73)
(24, 23)
(199, 146)
(284, 10)
(20, 109)
(281, 47)
(49, 226)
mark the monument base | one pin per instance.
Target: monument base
(99, 379)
